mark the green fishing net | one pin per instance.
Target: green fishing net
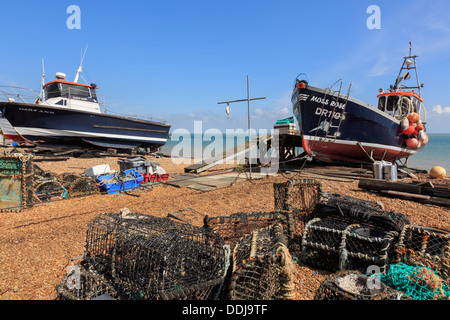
(420, 283)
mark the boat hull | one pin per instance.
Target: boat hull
(45, 125)
(334, 129)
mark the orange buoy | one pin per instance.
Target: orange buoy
(412, 143)
(415, 133)
(438, 172)
(409, 131)
(413, 117)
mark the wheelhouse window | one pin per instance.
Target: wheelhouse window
(391, 104)
(78, 92)
(382, 103)
(53, 91)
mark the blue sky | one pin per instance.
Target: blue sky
(176, 59)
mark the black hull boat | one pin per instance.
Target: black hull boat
(46, 125)
(338, 128)
(68, 113)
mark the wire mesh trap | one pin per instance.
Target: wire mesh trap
(16, 182)
(156, 258)
(232, 228)
(425, 246)
(417, 282)
(297, 195)
(336, 245)
(354, 285)
(262, 266)
(82, 282)
(68, 178)
(48, 189)
(83, 186)
(354, 210)
(297, 199)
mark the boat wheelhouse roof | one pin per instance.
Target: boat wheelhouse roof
(413, 94)
(71, 83)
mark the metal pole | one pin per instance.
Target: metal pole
(248, 110)
(249, 132)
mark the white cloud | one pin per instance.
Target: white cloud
(439, 110)
(283, 111)
(259, 112)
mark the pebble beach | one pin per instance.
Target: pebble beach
(38, 244)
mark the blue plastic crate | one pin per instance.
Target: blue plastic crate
(120, 186)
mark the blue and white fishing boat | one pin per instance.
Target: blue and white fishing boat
(69, 113)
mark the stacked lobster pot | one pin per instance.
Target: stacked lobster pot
(351, 234)
(297, 199)
(134, 256)
(262, 267)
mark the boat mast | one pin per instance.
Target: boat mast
(409, 63)
(41, 94)
(80, 68)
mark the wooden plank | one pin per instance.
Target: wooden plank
(201, 187)
(321, 176)
(380, 185)
(227, 155)
(406, 194)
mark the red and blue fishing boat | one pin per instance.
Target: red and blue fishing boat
(338, 128)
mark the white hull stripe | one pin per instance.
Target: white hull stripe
(26, 131)
(364, 144)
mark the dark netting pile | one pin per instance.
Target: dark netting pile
(232, 228)
(354, 285)
(146, 257)
(262, 266)
(16, 182)
(83, 282)
(426, 247)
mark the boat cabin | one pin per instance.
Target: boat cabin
(397, 104)
(61, 93)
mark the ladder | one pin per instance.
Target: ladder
(336, 123)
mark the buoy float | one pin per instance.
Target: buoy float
(412, 143)
(423, 137)
(413, 117)
(438, 172)
(409, 131)
(404, 124)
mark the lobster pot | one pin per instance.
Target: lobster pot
(334, 245)
(354, 285)
(297, 198)
(77, 185)
(232, 228)
(262, 267)
(16, 182)
(82, 282)
(353, 210)
(425, 246)
(156, 258)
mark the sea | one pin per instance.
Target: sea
(435, 153)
